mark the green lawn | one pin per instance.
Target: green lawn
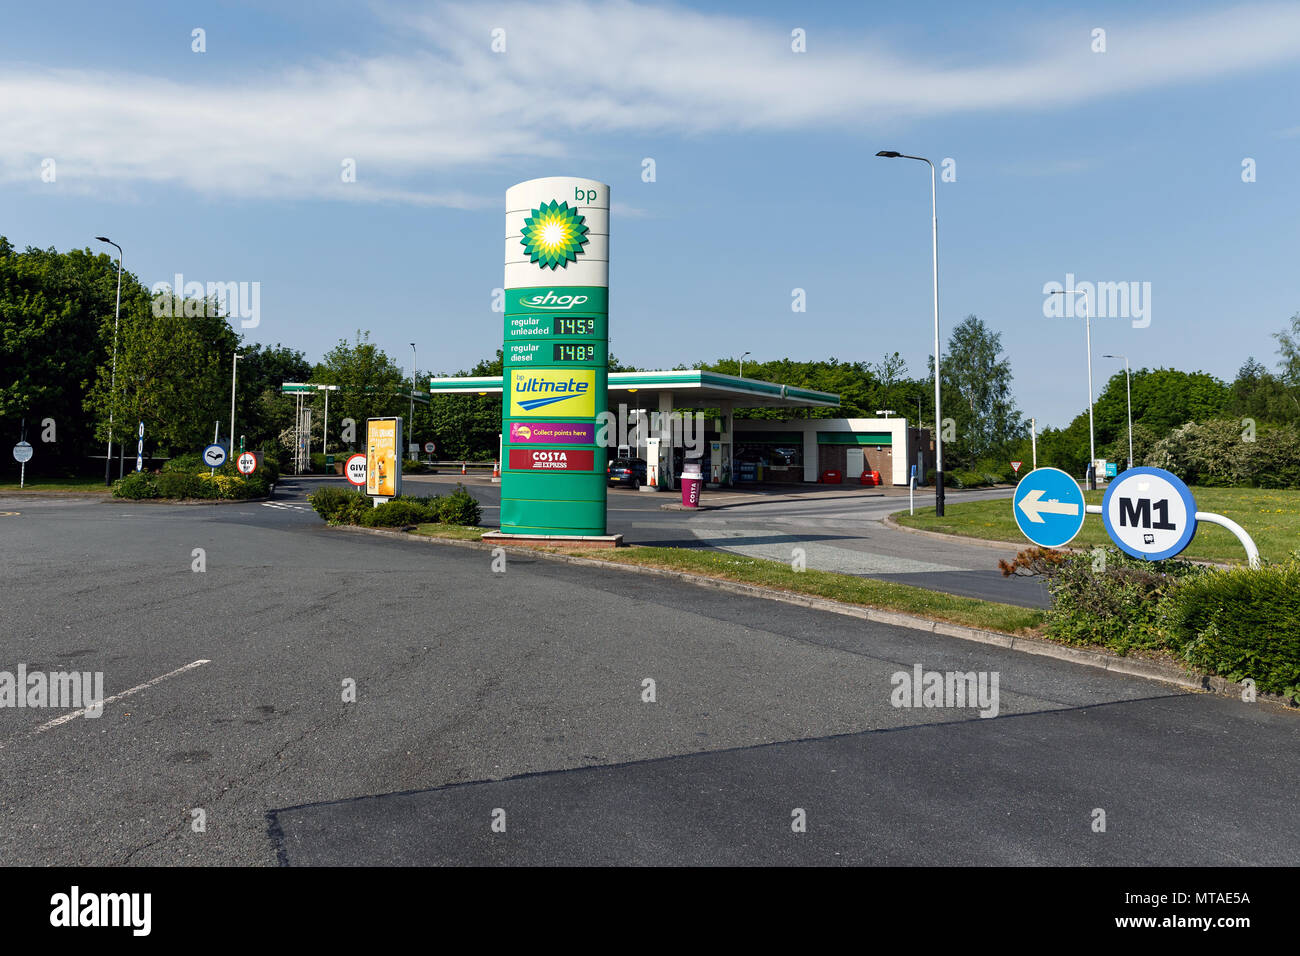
(1271, 518)
(57, 484)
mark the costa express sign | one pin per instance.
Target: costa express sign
(558, 460)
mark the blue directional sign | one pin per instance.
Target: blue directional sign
(1149, 513)
(1049, 507)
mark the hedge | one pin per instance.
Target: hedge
(345, 506)
(1243, 623)
(1238, 623)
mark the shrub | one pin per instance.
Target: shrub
(136, 485)
(333, 503)
(965, 478)
(1243, 623)
(412, 467)
(180, 484)
(397, 512)
(459, 507)
(190, 461)
(1106, 597)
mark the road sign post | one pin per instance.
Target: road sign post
(1048, 507)
(22, 455)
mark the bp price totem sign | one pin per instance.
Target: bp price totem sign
(556, 351)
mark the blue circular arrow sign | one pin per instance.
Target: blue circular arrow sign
(1049, 507)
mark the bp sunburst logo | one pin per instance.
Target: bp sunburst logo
(554, 235)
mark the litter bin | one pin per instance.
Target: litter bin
(691, 482)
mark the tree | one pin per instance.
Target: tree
(467, 426)
(173, 372)
(976, 383)
(371, 385)
(1259, 394)
(1289, 348)
(262, 408)
(52, 305)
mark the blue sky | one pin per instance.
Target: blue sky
(1122, 166)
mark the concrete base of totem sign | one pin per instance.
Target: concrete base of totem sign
(556, 540)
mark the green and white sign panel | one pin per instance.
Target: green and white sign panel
(556, 351)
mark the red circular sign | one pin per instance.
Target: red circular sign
(355, 470)
(246, 463)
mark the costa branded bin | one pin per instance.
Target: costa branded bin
(692, 481)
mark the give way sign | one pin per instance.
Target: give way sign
(355, 470)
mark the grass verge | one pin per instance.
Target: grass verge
(78, 485)
(846, 588)
(1271, 517)
(457, 531)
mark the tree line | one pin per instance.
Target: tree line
(173, 368)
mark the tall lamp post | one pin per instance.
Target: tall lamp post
(1092, 438)
(742, 364)
(1128, 391)
(234, 365)
(410, 422)
(938, 412)
(112, 387)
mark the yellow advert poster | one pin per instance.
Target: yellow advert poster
(553, 393)
(383, 464)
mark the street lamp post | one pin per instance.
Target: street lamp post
(1128, 391)
(410, 423)
(1092, 438)
(742, 364)
(938, 412)
(234, 365)
(112, 387)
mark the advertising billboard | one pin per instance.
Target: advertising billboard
(383, 463)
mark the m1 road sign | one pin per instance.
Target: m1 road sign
(246, 463)
(214, 456)
(355, 470)
(1149, 513)
(1048, 506)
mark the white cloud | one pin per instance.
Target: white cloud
(572, 69)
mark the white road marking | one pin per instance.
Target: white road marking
(126, 693)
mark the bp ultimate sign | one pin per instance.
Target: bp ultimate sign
(556, 351)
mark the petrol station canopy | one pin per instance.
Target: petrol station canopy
(688, 388)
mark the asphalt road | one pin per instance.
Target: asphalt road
(522, 692)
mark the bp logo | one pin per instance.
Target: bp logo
(554, 235)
